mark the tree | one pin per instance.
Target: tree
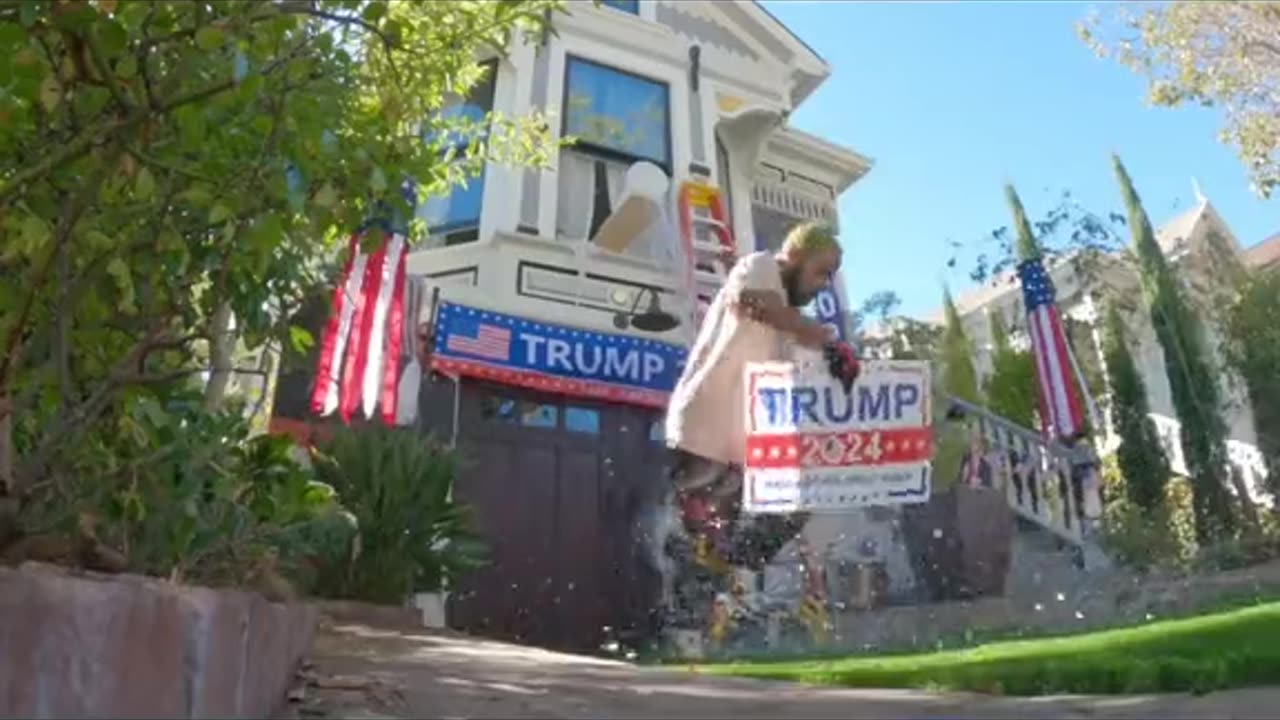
(163, 163)
(1192, 381)
(959, 378)
(1141, 458)
(1011, 388)
(1223, 54)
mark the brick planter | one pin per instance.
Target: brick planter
(97, 646)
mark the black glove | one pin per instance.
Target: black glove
(842, 363)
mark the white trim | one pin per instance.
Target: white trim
(503, 181)
(792, 144)
(648, 11)
(806, 59)
(623, 33)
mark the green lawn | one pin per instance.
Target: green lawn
(1209, 652)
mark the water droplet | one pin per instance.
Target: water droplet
(1079, 615)
(937, 533)
(1061, 597)
(1039, 607)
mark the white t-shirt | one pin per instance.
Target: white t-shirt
(706, 413)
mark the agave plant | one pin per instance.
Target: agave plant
(411, 536)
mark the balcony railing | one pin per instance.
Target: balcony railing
(793, 202)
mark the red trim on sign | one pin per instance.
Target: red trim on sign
(551, 383)
(863, 448)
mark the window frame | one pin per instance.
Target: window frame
(460, 232)
(604, 152)
(633, 6)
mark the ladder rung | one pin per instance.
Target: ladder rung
(709, 247)
(706, 276)
(703, 220)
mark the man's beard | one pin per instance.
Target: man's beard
(790, 283)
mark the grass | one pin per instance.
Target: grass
(1210, 652)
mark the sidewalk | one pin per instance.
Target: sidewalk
(361, 672)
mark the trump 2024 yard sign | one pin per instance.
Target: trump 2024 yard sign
(812, 447)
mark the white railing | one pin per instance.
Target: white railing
(1037, 476)
(1243, 457)
(793, 202)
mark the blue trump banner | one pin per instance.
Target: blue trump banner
(555, 358)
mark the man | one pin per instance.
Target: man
(753, 318)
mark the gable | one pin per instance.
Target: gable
(746, 30)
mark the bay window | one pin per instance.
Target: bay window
(618, 119)
(454, 218)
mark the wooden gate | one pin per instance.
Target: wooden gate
(557, 489)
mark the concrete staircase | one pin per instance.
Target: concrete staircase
(1050, 536)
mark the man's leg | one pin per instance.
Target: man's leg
(697, 487)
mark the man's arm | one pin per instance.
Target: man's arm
(767, 306)
(752, 285)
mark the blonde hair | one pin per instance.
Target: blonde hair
(808, 238)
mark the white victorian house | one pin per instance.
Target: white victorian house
(1194, 242)
(568, 296)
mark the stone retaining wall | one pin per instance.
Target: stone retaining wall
(83, 645)
(1117, 600)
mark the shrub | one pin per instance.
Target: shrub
(412, 537)
(173, 490)
(1162, 537)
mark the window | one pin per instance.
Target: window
(626, 6)
(618, 119)
(617, 114)
(520, 412)
(455, 217)
(582, 420)
(657, 432)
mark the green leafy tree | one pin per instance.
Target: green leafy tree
(1192, 380)
(1141, 458)
(166, 166)
(1223, 54)
(1011, 387)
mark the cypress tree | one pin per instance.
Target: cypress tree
(1192, 381)
(1027, 247)
(1140, 455)
(959, 378)
(1011, 389)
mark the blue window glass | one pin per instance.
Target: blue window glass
(460, 209)
(626, 6)
(582, 420)
(617, 114)
(657, 432)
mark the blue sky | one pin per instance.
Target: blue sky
(952, 100)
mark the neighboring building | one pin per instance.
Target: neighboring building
(1188, 240)
(1264, 255)
(545, 275)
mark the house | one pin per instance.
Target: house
(568, 296)
(1264, 255)
(1196, 241)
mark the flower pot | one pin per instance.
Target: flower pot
(960, 542)
(432, 606)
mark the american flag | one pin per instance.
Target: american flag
(479, 339)
(1061, 411)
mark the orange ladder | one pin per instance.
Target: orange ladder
(707, 237)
